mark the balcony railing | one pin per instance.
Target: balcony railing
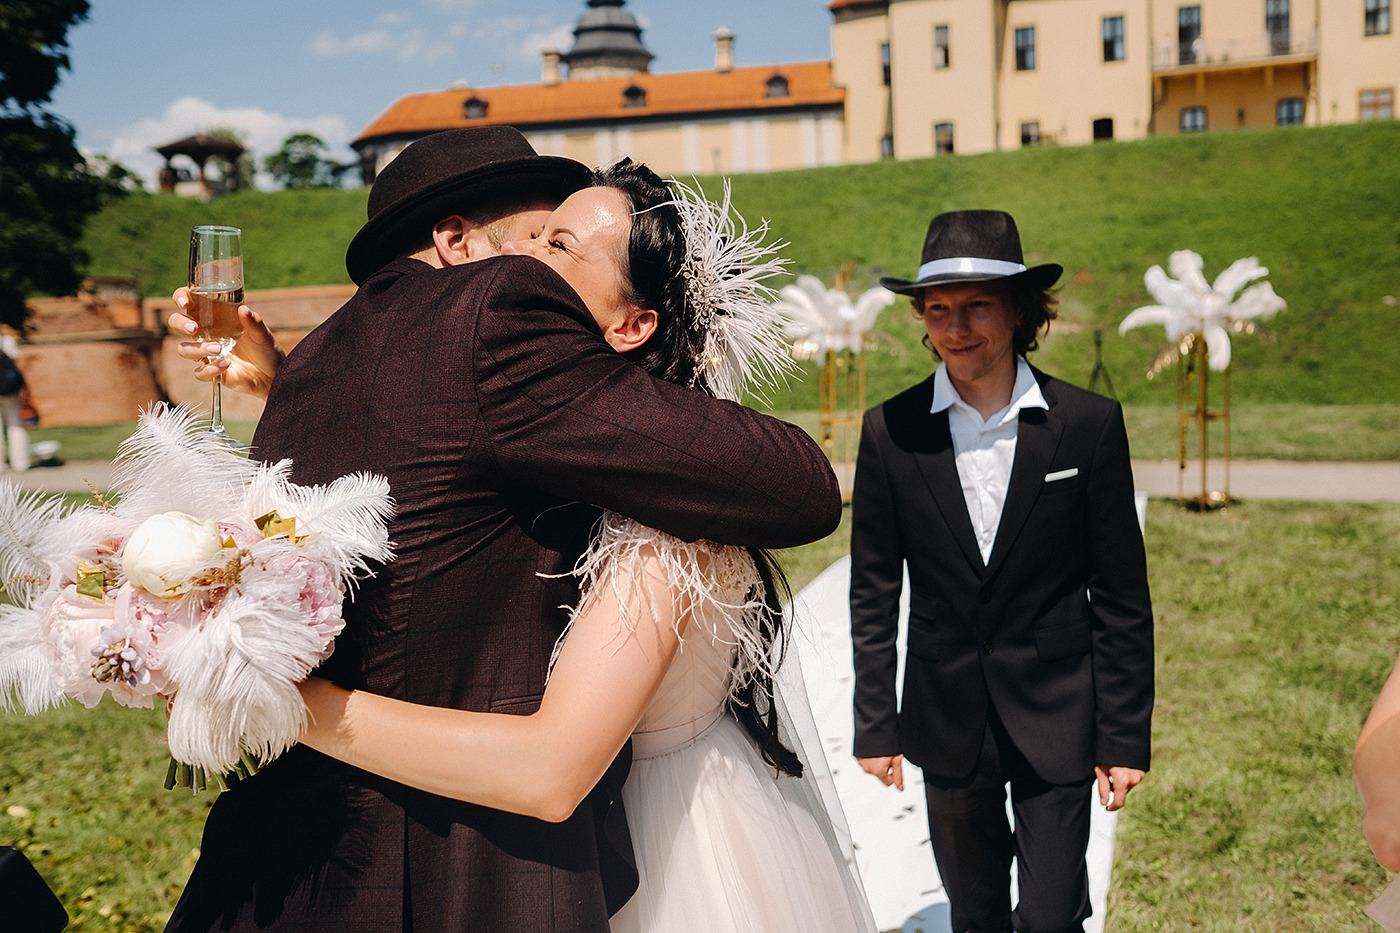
(1259, 48)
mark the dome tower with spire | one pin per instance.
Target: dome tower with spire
(607, 43)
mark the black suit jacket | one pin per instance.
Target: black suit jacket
(487, 397)
(1055, 630)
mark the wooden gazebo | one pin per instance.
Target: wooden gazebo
(200, 148)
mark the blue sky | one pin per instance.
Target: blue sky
(147, 72)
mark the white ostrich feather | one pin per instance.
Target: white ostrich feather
(171, 463)
(1190, 306)
(344, 522)
(26, 672)
(822, 319)
(1239, 274)
(240, 670)
(727, 268)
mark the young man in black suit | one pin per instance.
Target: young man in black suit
(1009, 496)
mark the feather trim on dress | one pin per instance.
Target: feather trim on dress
(719, 585)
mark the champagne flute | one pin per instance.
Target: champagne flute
(216, 291)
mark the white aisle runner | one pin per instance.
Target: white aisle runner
(889, 828)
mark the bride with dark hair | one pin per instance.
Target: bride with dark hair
(675, 644)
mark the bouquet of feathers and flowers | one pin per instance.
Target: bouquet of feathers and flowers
(210, 581)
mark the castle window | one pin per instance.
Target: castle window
(475, 109)
(942, 137)
(1193, 119)
(1025, 48)
(634, 96)
(1276, 25)
(1377, 17)
(1113, 47)
(1290, 111)
(1189, 48)
(942, 53)
(1378, 104)
(776, 86)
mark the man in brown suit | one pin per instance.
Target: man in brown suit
(485, 394)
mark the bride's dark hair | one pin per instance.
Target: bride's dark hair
(654, 278)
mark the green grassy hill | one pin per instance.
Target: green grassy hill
(1320, 207)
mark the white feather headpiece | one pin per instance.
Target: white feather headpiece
(727, 268)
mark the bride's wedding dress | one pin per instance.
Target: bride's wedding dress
(722, 843)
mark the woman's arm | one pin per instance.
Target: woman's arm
(1376, 766)
(541, 765)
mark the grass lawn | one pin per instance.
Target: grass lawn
(1275, 629)
(1276, 625)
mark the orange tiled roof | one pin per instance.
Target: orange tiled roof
(599, 100)
(835, 5)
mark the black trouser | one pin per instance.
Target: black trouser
(973, 845)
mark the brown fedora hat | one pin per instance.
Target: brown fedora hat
(446, 173)
(973, 246)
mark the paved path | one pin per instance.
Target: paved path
(1274, 479)
(1249, 479)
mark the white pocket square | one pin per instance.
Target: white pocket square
(1061, 474)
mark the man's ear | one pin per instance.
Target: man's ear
(633, 331)
(458, 241)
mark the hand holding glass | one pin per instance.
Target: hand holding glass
(216, 291)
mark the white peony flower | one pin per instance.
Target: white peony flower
(166, 550)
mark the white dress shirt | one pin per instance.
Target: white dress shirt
(985, 450)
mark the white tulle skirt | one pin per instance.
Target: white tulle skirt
(724, 846)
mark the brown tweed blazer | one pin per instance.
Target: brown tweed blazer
(486, 396)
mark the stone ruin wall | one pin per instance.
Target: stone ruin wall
(102, 356)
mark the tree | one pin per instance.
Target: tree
(238, 174)
(116, 179)
(301, 163)
(47, 190)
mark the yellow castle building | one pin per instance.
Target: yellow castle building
(924, 77)
(919, 78)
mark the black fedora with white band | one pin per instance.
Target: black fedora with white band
(973, 246)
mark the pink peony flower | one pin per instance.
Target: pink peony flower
(72, 624)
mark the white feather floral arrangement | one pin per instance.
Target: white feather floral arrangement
(821, 319)
(211, 581)
(1193, 309)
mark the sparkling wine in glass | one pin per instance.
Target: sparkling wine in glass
(216, 291)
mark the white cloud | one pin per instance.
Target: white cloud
(370, 41)
(262, 133)
(455, 6)
(528, 49)
(406, 45)
(416, 46)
